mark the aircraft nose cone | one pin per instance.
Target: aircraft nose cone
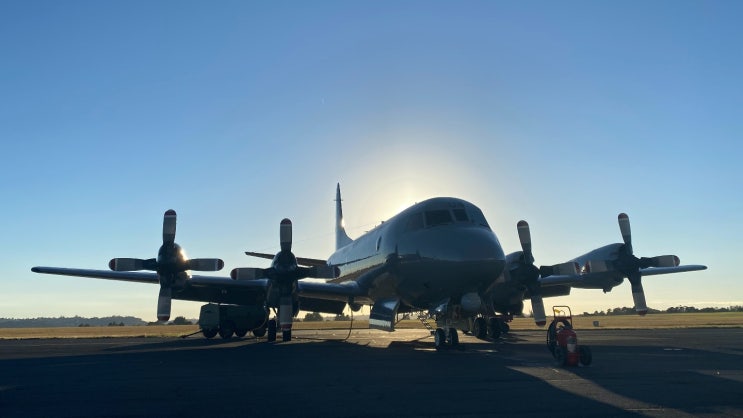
(461, 244)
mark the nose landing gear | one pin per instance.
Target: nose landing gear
(445, 338)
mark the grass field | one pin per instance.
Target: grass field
(681, 320)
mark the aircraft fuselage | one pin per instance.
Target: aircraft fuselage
(437, 249)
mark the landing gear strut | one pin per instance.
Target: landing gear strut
(271, 330)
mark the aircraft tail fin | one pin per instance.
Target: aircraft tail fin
(341, 238)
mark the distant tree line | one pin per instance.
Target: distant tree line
(73, 321)
(179, 320)
(676, 309)
(317, 317)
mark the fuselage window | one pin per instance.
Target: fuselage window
(438, 217)
(460, 215)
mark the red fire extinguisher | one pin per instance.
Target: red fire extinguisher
(566, 352)
(563, 341)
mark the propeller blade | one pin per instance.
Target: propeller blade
(247, 273)
(537, 308)
(131, 264)
(163, 303)
(638, 294)
(169, 221)
(205, 264)
(626, 231)
(525, 239)
(285, 234)
(286, 312)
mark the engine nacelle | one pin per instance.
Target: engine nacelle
(665, 261)
(247, 273)
(596, 266)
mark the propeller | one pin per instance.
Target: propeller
(630, 265)
(523, 270)
(284, 274)
(528, 274)
(171, 265)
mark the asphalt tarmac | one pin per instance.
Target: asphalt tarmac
(673, 373)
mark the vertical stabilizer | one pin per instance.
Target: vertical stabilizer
(341, 238)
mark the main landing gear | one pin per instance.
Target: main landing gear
(443, 339)
(492, 327)
(227, 330)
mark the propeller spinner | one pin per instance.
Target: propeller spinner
(171, 264)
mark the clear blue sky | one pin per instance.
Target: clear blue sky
(238, 114)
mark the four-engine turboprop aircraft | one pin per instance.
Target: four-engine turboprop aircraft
(439, 256)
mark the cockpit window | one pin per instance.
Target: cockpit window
(460, 215)
(438, 217)
(415, 221)
(478, 217)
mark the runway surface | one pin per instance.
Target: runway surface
(674, 373)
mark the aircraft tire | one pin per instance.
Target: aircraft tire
(240, 332)
(453, 338)
(494, 329)
(479, 330)
(259, 332)
(226, 329)
(209, 332)
(504, 327)
(439, 339)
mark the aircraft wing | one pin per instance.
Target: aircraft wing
(197, 288)
(300, 260)
(126, 276)
(564, 279)
(224, 290)
(330, 291)
(572, 279)
(652, 271)
(357, 290)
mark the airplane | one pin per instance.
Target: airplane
(438, 256)
(441, 256)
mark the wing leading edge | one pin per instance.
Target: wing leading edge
(196, 288)
(302, 261)
(556, 280)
